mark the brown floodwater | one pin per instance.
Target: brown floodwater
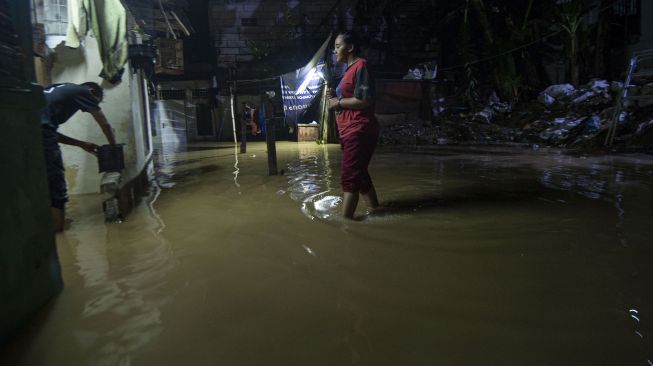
(482, 256)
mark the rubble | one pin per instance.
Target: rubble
(561, 116)
(423, 71)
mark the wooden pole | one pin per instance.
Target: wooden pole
(270, 135)
(270, 138)
(324, 122)
(243, 135)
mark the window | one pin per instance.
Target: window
(56, 17)
(628, 18)
(624, 8)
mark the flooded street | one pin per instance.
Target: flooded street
(481, 256)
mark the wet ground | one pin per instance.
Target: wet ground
(482, 256)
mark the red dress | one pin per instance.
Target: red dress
(358, 128)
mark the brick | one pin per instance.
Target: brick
(263, 36)
(272, 7)
(226, 23)
(228, 37)
(237, 44)
(227, 58)
(249, 8)
(252, 30)
(222, 14)
(229, 50)
(244, 58)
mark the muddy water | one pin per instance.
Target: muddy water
(492, 256)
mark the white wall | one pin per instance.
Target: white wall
(122, 105)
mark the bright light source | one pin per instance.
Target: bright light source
(307, 80)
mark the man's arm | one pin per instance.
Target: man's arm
(104, 125)
(88, 146)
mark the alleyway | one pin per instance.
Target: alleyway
(529, 257)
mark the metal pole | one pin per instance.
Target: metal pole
(612, 129)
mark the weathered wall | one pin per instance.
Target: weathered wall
(123, 106)
(29, 268)
(280, 35)
(236, 40)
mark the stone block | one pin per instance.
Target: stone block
(110, 183)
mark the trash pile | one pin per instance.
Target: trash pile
(562, 116)
(423, 71)
(446, 131)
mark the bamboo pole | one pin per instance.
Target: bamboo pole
(233, 116)
(167, 21)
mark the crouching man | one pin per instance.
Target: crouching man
(62, 101)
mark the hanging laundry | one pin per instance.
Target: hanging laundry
(107, 19)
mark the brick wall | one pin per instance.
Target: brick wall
(247, 30)
(254, 30)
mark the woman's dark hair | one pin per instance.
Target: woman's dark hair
(352, 38)
(96, 89)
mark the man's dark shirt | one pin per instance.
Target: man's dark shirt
(64, 100)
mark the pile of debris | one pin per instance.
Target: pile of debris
(446, 131)
(580, 118)
(562, 116)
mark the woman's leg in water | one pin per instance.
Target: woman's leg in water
(349, 203)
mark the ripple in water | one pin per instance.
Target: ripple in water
(311, 181)
(321, 206)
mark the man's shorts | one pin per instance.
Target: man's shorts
(54, 167)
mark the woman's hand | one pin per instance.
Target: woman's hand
(333, 103)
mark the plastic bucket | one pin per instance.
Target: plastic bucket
(110, 158)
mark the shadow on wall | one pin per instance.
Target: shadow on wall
(67, 57)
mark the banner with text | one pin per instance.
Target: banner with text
(302, 95)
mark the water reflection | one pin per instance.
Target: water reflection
(121, 314)
(583, 187)
(517, 254)
(310, 182)
(236, 168)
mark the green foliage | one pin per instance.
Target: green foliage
(570, 16)
(469, 54)
(497, 52)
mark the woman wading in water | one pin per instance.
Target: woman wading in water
(353, 101)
